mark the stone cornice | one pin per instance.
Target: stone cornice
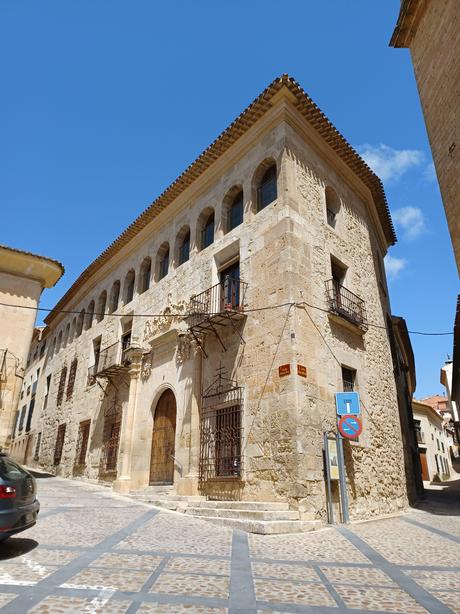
(281, 88)
(30, 266)
(409, 17)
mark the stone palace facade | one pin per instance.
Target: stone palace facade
(204, 346)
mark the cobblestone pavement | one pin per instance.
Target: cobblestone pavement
(94, 551)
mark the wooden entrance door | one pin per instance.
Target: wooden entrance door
(163, 439)
(424, 465)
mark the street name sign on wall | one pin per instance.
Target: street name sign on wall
(350, 426)
(347, 403)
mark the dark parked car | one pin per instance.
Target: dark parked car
(19, 506)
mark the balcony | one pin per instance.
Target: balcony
(346, 306)
(111, 362)
(420, 437)
(217, 306)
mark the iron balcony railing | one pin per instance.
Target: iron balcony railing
(225, 298)
(113, 357)
(419, 436)
(344, 303)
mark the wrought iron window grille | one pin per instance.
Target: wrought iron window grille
(221, 430)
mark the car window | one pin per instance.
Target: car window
(10, 471)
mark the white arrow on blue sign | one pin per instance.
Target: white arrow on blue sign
(347, 403)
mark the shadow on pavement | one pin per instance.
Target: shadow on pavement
(442, 498)
(16, 546)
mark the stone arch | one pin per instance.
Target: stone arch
(233, 199)
(162, 453)
(162, 261)
(182, 246)
(264, 191)
(205, 228)
(332, 206)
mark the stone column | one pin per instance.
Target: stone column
(123, 481)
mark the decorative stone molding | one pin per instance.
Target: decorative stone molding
(163, 323)
(185, 347)
(146, 366)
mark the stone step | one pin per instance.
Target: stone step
(244, 505)
(142, 494)
(265, 527)
(243, 514)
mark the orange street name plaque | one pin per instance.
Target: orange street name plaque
(302, 371)
(284, 370)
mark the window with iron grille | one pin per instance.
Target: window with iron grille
(61, 387)
(82, 443)
(221, 431)
(59, 445)
(37, 447)
(72, 375)
(47, 391)
(348, 379)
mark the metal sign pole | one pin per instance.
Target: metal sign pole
(328, 479)
(343, 480)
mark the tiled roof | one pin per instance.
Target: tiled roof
(308, 109)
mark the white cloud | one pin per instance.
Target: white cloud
(429, 172)
(411, 220)
(394, 266)
(390, 164)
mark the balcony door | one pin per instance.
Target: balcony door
(163, 440)
(230, 284)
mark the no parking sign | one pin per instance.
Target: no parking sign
(350, 427)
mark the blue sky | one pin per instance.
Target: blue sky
(105, 102)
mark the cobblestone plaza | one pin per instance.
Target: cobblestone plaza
(96, 551)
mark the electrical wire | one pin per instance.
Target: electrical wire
(185, 314)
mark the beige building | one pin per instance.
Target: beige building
(205, 345)
(22, 279)
(433, 443)
(431, 30)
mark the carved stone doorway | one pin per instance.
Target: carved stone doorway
(163, 440)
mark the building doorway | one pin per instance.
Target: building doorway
(424, 465)
(163, 440)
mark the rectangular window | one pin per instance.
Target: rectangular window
(82, 443)
(22, 417)
(30, 414)
(47, 391)
(37, 447)
(61, 387)
(72, 375)
(348, 379)
(59, 445)
(230, 284)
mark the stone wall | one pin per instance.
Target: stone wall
(435, 51)
(285, 257)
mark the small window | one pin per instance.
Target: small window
(144, 276)
(163, 261)
(72, 376)
(61, 387)
(129, 287)
(89, 316)
(114, 297)
(101, 305)
(67, 334)
(235, 212)
(338, 271)
(207, 234)
(80, 322)
(59, 342)
(332, 207)
(43, 348)
(184, 246)
(267, 191)
(348, 379)
(59, 445)
(47, 390)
